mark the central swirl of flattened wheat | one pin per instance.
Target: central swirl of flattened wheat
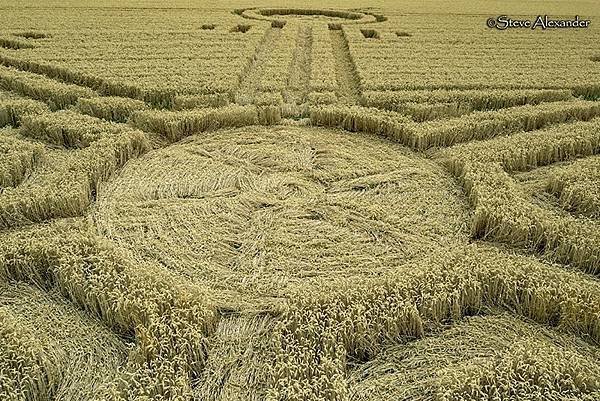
(255, 210)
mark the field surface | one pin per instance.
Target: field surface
(349, 201)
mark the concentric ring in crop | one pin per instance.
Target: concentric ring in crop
(257, 211)
(327, 14)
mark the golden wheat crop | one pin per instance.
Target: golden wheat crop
(332, 201)
(17, 158)
(56, 94)
(13, 111)
(577, 186)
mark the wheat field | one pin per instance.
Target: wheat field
(392, 200)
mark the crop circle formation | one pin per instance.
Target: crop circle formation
(293, 202)
(326, 14)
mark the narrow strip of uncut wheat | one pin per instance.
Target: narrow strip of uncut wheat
(77, 354)
(175, 125)
(472, 99)
(353, 320)
(504, 211)
(57, 95)
(12, 112)
(69, 129)
(66, 183)
(578, 186)
(111, 108)
(485, 357)
(441, 133)
(170, 320)
(17, 158)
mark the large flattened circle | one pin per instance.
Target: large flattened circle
(256, 211)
